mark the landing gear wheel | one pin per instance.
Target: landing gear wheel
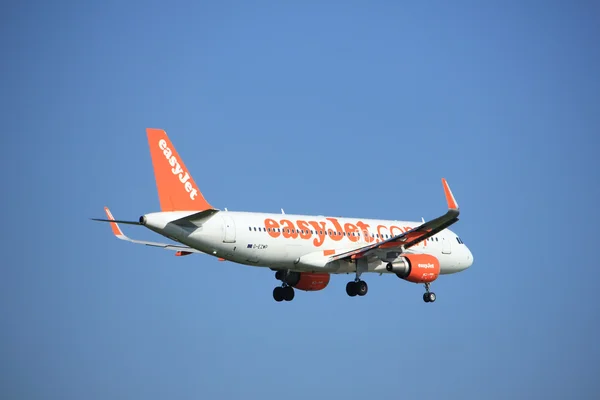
(278, 294)
(351, 289)
(288, 293)
(361, 288)
(429, 297)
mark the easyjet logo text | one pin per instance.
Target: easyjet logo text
(184, 177)
(332, 228)
(428, 265)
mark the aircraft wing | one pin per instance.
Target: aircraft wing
(180, 249)
(413, 236)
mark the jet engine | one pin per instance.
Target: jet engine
(307, 281)
(416, 268)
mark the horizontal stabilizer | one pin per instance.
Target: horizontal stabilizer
(196, 219)
(180, 249)
(116, 221)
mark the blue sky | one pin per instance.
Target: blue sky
(335, 108)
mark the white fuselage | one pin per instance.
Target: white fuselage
(303, 242)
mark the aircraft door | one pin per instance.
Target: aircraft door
(228, 229)
(446, 246)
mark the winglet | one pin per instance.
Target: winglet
(452, 204)
(115, 227)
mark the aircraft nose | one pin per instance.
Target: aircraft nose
(469, 257)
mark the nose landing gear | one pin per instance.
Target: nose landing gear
(428, 297)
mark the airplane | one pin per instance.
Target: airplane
(303, 250)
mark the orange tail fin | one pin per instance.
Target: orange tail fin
(177, 191)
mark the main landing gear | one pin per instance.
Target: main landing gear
(428, 297)
(358, 287)
(285, 291)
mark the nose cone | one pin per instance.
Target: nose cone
(469, 257)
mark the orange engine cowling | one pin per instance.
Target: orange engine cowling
(417, 268)
(307, 281)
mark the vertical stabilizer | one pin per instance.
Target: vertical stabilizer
(177, 190)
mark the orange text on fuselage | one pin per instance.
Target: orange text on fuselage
(332, 228)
